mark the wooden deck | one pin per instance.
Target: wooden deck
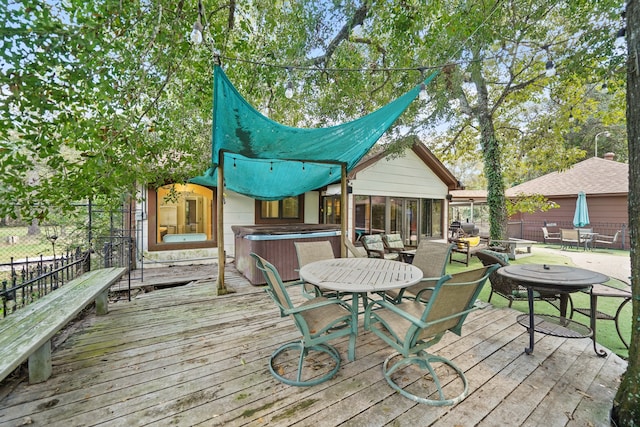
(183, 356)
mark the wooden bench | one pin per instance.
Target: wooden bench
(512, 245)
(26, 334)
(464, 247)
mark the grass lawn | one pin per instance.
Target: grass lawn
(26, 246)
(606, 330)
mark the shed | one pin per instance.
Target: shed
(604, 181)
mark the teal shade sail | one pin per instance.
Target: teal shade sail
(266, 160)
(581, 215)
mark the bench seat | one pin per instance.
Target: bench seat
(464, 247)
(26, 334)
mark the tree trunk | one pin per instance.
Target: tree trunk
(34, 228)
(626, 405)
(491, 154)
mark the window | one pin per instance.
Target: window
(409, 217)
(331, 210)
(184, 214)
(289, 210)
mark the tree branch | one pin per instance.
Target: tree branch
(358, 19)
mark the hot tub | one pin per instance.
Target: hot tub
(275, 244)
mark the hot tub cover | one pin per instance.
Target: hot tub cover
(266, 160)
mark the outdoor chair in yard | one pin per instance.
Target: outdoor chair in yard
(601, 239)
(308, 252)
(431, 257)
(356, 251)
(412, 326)
(393, 244)
(466, 245)
(569, 237)
(375, 247)
(506, 287)
(548, 236)
(622, 292)
(319, 320)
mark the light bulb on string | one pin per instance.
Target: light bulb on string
(196, 34)
(289, 91)
(423, 95)
(550, 69)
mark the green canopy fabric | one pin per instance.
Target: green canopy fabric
(266, 160)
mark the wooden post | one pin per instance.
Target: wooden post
(220, 224)
(344, 209)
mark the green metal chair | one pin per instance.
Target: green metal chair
(375, 247)
(431, 257)
(308, 252)
(412, 326)
(319, 320)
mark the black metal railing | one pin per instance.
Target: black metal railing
(24, 282)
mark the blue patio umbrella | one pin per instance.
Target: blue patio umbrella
(581, 216)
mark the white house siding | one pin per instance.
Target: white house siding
(238, 210)
(311, 207)
(404, 176)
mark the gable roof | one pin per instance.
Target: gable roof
(424, 154)
(467, 195)
(593, 176)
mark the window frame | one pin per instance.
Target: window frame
(259, 219)
(152, 228)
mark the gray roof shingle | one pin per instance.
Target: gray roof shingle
(593, 176)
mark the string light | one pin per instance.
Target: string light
(423, 95)
(196, 34)
(550, 69)
(289, 91)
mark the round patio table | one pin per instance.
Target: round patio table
(555, 278)
(359, 276)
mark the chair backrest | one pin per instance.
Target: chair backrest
(373, 242)
(453, 298)
(393, 241)
(276, 289)
(545, 232)
(432, 257)
(488, 257)
(569, 234)
(358, 252)
(615, 236)
(313, 251)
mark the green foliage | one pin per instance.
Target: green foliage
(529, 203)
(103, 96)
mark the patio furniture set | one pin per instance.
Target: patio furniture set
(410, 306)
(580, 237)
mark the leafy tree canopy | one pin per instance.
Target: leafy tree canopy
(101, 96)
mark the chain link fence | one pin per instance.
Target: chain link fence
(37, 258)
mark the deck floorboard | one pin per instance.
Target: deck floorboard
(183, 356)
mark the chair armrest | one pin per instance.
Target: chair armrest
(419, 294)
(375, 253)
(392, 307)
(323, 303)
